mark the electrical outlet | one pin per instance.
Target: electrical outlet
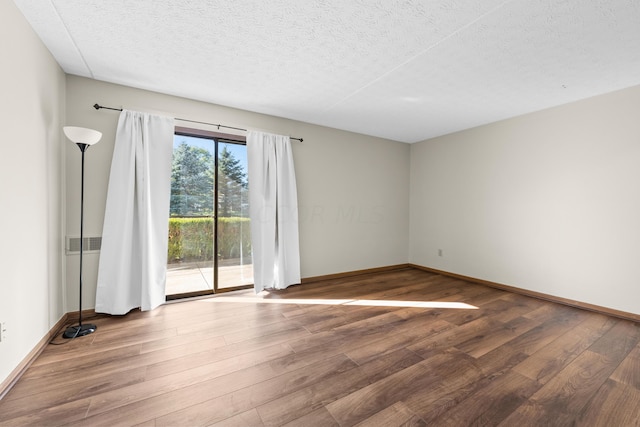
(439, 252)
(3, 331)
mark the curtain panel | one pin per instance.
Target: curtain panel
(133, 259)
(273, 208)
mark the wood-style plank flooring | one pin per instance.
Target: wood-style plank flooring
(351, 351)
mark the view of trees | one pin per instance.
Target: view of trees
(233, 198)
(192, 183)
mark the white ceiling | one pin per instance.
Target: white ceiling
(406, 70)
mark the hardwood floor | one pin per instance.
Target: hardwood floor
(342, 352)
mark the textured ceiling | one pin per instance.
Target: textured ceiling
(406, 70)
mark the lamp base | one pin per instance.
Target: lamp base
(79, 331)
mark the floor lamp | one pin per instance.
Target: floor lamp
(83, 138)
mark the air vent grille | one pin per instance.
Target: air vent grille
(90, 244)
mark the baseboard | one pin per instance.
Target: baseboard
(552, 298)
(306, 280)
(72, 316)
(15, 375)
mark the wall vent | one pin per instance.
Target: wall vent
(90, 244)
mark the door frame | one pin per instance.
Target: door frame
(216, 137)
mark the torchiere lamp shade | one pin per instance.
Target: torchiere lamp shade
(82, 135)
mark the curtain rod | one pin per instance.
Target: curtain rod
(98, 106)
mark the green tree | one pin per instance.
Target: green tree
(232, 185)
(192, 181)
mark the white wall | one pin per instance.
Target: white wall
(548, 202)
(353, 190)
(31, 189)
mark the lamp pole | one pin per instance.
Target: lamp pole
(76, 134)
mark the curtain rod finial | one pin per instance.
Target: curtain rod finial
(96, 106)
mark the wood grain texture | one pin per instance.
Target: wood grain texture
(307, 358)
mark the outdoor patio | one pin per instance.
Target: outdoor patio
(198, 276)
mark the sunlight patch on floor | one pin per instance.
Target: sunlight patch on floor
(374, 303)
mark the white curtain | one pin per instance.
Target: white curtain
(273, 208)
(133, 258)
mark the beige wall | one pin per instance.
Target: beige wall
(548, 202)
(31, 189)
(353, 190)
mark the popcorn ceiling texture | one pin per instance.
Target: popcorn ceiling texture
(403, 70)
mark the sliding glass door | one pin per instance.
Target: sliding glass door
(209, 230)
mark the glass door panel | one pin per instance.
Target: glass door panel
(190, 260)
(234, 267)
